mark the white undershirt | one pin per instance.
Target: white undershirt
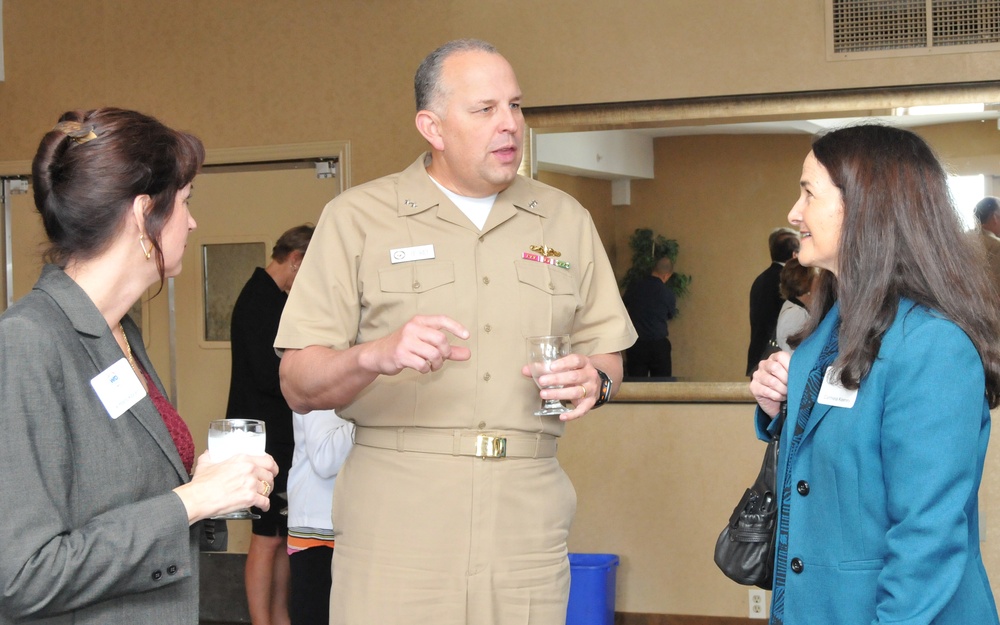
(477, 209)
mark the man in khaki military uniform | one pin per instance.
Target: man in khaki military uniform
(409, 316)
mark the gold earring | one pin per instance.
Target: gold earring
(142, 244)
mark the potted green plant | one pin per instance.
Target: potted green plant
(647, 248)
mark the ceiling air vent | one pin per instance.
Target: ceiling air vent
(882, 28)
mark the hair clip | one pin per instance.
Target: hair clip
(76, 131)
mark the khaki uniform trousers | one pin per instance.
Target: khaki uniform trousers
(450, 540)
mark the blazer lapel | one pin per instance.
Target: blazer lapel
(103, 349)
(803, 361)
(144, 410)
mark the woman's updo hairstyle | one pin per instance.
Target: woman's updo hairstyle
(90, 168)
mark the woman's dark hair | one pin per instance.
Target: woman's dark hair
(795, 279)
(90, 168)
(900, 237)
(293, 240)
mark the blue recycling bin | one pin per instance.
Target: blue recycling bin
(592, 589)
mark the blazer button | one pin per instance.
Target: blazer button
(172, 570)
(157, 575)
(797, 565)
(802, 487)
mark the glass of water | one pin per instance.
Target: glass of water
(229, 437)
(542, 352)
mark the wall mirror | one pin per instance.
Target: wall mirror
(226, 267)
(725, 174)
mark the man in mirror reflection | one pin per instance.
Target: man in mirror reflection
(651, 304)
(765, 295)
(987, 213)
(409, 317)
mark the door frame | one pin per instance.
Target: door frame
(254, 157)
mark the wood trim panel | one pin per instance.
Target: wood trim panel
(636, 618)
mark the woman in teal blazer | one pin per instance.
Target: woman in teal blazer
(888, 395)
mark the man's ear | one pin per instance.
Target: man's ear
(429, 125)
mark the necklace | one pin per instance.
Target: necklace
(128, 348)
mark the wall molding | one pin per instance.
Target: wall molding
(637, 618)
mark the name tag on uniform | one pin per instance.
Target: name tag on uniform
(833, 393)
(118, 388)
(407, 254)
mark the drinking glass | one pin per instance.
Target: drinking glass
(542, 352)
(229, 437)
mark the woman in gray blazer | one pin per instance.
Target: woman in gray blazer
(100, 523)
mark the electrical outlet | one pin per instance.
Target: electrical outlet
(758, 604)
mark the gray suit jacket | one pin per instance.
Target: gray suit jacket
(90, 531)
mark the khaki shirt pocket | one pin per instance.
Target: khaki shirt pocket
(548, 298)
(418, 288)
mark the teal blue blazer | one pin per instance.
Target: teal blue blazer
(883, 515)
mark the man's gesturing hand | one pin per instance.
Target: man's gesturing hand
(421, 344)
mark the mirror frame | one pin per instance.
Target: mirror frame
(867, 102)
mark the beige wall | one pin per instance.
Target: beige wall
(256, 73)
(654, 481)
(719, 196)
(595, 195)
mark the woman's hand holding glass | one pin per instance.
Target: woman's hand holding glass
(223, 487)
(769, 384)
(232, 437)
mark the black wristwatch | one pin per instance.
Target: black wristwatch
(605, 393)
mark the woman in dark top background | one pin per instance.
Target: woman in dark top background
(255, 393)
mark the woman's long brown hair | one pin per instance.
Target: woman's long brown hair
(900, 237)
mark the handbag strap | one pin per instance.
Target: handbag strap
(782, 415)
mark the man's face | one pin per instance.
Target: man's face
(481, 125)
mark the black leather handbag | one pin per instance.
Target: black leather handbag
(214, 535)
(745, 548)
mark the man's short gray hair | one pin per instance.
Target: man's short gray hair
(427, 81)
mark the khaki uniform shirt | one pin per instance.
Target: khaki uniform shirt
(348, 291)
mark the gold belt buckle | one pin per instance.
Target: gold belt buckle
(491, 446)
